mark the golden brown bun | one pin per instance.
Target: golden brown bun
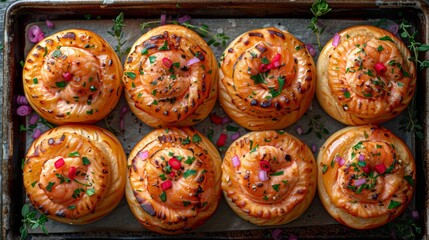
(162, 87)
(291, 183)
(349, 87)
(73, 76)
(99, 164)
(375, 157)
(257, 96)
(194, 193)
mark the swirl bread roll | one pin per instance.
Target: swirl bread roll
(367, 78)
(366, 176)
(173, 181)
(267, 79)
(269, 178)
(75, 174)
(170, 77)
(73, 76)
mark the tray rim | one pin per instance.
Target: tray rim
(8, 126)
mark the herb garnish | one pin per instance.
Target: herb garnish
(116, 31)
(319, 8)
(31, 221)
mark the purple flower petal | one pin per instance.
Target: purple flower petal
(37, 132)
(33, 119)
(23, 110)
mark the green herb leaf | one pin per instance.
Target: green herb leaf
(164, 47)
(190, 160)
(347, 94)
(62, 84)
(279, 173)
(186, 141)
(163, 177)
(281, 82)
(74, 154)
(259, 78)
(90, 191)
(35, 81)
(49, 186)
(163, 196)
(186, 203)
(409, 179)
(130, 75)
(71, 207)
(196, 138)
(393, 204)
(324, 168)
(152, 59)
(265, 60)
(189, 173)
(386, 38)
(276, 187)
(85, 161)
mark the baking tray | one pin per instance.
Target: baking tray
(249, 14)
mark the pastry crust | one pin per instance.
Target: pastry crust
(291, 179)
(73, 76)
(267, 79)
(75, 174)
(170, 77)
(168, 198)
(367, 79)
(366, 176)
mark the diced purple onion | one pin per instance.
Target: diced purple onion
(415, 214)
(394, 29)
(235, 161)
(299, 130)
(336, 40)
(193, 61)
(292, 237)
(263, 176)
(124, 110)
(311, 49)
(33, 119)
(50, 24)
(23, 110)
(361, 157)
(184, 19)
(359, 182)
(163, 19)
(21, 100)
(277, 234)
(225, 120)
(313, 147)
(235, 136)
(143, 155)
(35, 34)
(340, 161)
(37, 132)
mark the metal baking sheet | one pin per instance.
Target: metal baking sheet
(231, 18)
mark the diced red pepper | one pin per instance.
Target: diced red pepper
(263, 67)
(166, 185)
(174, 163)
(59, 163)
(216, 119)
(172, 174)
(380, 168)
(67, 76)
(270, 66)
(167, 62)
(265, 165)
(276, 58)
(222, 139)
(380, 68)
(72, 173)
(276, 64)
(366, 169)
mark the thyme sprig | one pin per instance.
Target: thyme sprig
(215, 39)
(319, 8)
(316, 126)
(405, 227)
(411, 122)
(31, 221)
(414, 46)
(117, 32)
